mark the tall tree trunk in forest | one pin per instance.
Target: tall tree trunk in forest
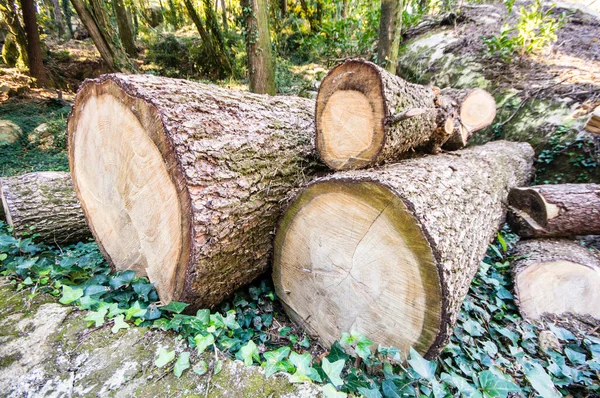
(96, 21)
(10, 14)
(125, 31)
(34, 49)
(173, 17)
(66, 6)
(224, 16)
(58, 19)
(283, 7)
(258, 47)
(390, 29)
(345, 5)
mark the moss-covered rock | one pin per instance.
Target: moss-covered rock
(10, 51)
(46, 349)
(9, 132)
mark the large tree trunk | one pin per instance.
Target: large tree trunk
(66, 6)
(258, 47)
(390, 253)
(367, 116)
(390, 34)
(125, 29)
(97, 23)
(10, 14)
(44, 200)
(183, 182)
(555, 210)
(556, 277)
(34, 49)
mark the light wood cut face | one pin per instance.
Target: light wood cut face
(348, 124)
(351, 258)
(125, 188)
(558, 287)
(478, 110)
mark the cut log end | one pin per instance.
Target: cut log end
(532, 205)
(125, 183)
(350, 116)
(364, 262)
(477, 110)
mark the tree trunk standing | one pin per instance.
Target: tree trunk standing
(173, 16)
(58, 18)
(46, 201)
(558, 277)
(10, 14)
(95, 20)
(34, 49)
(125, 31)
(224, 16)
(66, 6)
(390, 252)
(390, 34)
(283, 8)
(192, 178)
(367, 116)
(562, 210)
(345, 6)
(258, 47)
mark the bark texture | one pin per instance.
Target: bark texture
(446, 196)
(593, 123)
(44, 200)
(387, 116)
(125, 29)
(390, 33)
(566, 282)
(34, 49)
(232, 156)
(561, 210)
(258, 47)
(10, 14)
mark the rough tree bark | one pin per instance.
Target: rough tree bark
(258, 47)
(562, 210)
(183, 181)
(44, 200)
(390, 252)
(97, 23)
(10, 14)
(366, 116)
(34, 49)
(390, 34)
(556, 276)
(125, 30)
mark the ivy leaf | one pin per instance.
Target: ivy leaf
(119, 323)
(370, 392)
(201, 368)
(462, 385)
(337, 352)
(540, 381)
(275, 360)
(390, 389)
(203, 316)
(135, 311)
(333, 370)
(164, 357)
(183, 363)
(218, 367)
(304, 372)
(423, 367)
(230, 321)
(249, 352)
(202, 342)
(495, 386)
(174, 306)
(473, 328)
(363, 347)
(575, 357)
(121, 279)
(97, 316)
(70, 295)
(562, 333)
(329, 391)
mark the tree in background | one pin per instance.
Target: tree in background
(66, 6)
(96, 21)
(258, 47)
(125, 28)
(390, 33)
(10, 14)
(34, 49)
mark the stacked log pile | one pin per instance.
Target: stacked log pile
(185, 182)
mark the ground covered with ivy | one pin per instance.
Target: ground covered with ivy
(493, 352)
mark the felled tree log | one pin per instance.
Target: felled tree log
(367, 116)
(555, 210)
(183, 182)
(593, 123)
(46, 201)
(391, 252)
(556, 276)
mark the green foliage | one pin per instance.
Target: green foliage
(533, 31)
(10, 51)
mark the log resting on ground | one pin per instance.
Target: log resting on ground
(367, 116)
(556, 277)
(46, 201)
(562, 210)
(391, 252)
(183, 181)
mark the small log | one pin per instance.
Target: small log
(47, 202)
(367, 116)
(593, 123)
(183, 181)
(562, 210)
(391, 252)
(556, 277)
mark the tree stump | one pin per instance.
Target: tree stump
(391, 252)
(183, 181)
